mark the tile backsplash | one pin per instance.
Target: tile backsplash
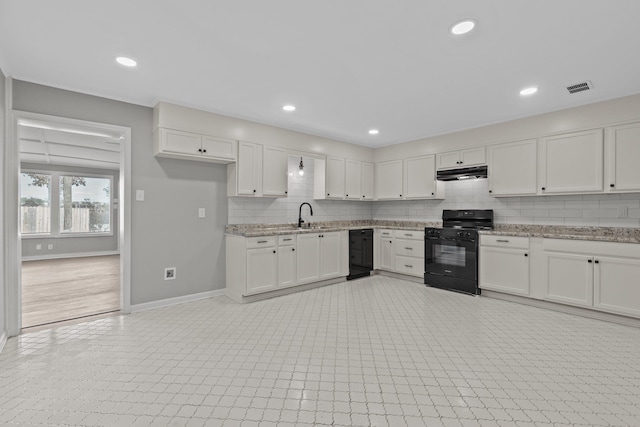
(577, 210)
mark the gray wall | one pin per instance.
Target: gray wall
(3, 311)
(77, 244)
(247, 210)
(166, 231)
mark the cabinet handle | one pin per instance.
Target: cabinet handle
(363, 196)
(502, 241)
(543, 188)
(328, 194)
(287, 240)
(597, 262)
(390, 241)
(293, 249)
(401, 195)
(254, 191)
(490, 191)
(408, 266)
(433, 194)
(589, 261)
(286, 192)
(408, 234)
(612, 185)
(199, 150)
(526, 254)
(204, 151)
(347, 195)
(409, 249)
(262, 241)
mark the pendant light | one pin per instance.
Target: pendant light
(301, 171)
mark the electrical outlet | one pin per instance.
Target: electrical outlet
(50, 246)
(623, 212)
(169, 273)
(38, 247)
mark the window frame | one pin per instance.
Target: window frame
(51, 209)
(54, 202)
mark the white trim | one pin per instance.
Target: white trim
(13, 244)
(168, 302)
(75, 255)
(3, 341)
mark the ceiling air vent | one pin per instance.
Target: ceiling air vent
(579, 87)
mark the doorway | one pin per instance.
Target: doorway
(73, 242)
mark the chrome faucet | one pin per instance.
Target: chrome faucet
(300, 220)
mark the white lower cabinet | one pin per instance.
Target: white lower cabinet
(599, 275)
(401, 251)
(256, 265)
(504, 264)
(262, 270)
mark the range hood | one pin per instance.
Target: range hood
(462, 173)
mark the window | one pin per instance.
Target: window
(35, 203)
(85, 204)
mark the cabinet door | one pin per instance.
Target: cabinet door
(274, 172)
(330, 255)
(335, 178)
(504, 270)
(572, 163)
(623, 152)
(448, 160)
(387, 254)
(420, 178)
(512, 168)
(616, 285)
(175, 141)
(248, 173)
(261, 270)
(223, 149)
(308, 259)
(388, 180)
(366, 180)
(473, 157)
(353, 179)
(286, 266)
(569, 278)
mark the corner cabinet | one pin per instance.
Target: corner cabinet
(178, 144)
(622, 151)
(512, 168)
(571, 163)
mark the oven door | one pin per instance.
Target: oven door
(451, 257)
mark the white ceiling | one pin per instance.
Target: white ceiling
(348, 65)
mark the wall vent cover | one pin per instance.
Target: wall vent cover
(580, 87)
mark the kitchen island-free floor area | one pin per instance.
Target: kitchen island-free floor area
(374, 351)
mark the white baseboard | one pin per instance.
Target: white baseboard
(76, 255)
(152, 305)
(3, 340)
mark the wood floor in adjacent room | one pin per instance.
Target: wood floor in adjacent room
(61, 289)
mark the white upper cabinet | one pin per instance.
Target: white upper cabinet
(420, 178)
(335, 178)
(622, 152)
(461, 158)
(571, 163)
(275, 179)
(513, 168)
(366, 180)
(244, 178)
(353, 179)
(388, 180)
(188, 145)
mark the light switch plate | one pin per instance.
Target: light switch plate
(139, 195)
(201, 213)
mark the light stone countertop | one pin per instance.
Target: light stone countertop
(603, 234)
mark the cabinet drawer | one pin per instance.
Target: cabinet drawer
(260, 242)
(505, 241)
(410, 248)
(409, 234)
(287, 240)
(386, 233)
(410, 265)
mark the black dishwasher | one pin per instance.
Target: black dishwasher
(360, 253)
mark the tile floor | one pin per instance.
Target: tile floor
(376, 351)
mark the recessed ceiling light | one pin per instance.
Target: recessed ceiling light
(374, 132)
(127, 62)
(462, 27)
(289, 108)
(529, 90)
